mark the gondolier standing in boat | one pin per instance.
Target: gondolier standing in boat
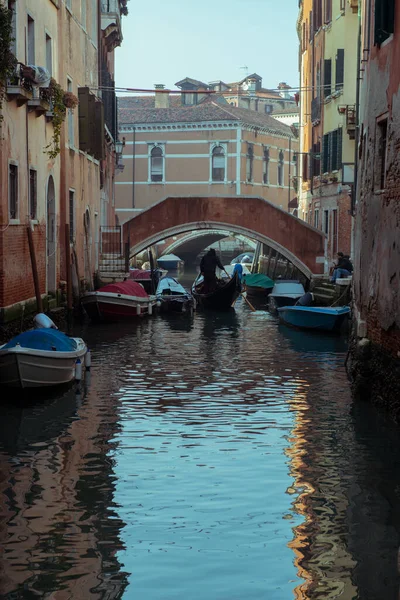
(208, 265)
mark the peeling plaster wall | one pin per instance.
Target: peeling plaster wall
(377, 232)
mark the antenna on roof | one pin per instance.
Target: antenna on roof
(246, 69)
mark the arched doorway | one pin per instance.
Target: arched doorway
(51, 237)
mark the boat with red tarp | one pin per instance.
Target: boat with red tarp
(118, 301)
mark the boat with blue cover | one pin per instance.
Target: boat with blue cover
(40, 357)
(318, 318)
(172, 296)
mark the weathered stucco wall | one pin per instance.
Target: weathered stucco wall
(376, 336)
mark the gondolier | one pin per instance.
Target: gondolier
(208, 265)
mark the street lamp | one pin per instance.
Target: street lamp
(119, 146)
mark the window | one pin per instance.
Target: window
(30, 45)
(269, 108)
(327, 77)
(156, 164)
(304, 174)
(68, 4)
(342, 6)
(339, 75)
(317, 13)
(384, 20)
(49, 54)
(280, 167)
(189, 99)
(316, 159)
(266, 165)
(316, 218)
(332, 151)
(328, 11)
(326, 221)
(71, 140)
(249, 162)
(218, 164)
(13, 191)
(381, 142)
(32, 194)
(71, 216)
(12, 8)
(311, 31)
(83, 13)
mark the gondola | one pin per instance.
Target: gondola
(221, 298)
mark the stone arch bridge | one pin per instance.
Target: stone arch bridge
(301, 244)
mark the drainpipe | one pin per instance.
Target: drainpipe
(133, 167)
(357, 136)
(290, 165)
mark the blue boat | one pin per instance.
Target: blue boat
(319, 318)
(170, 261)
(40, 357)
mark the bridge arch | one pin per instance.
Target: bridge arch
(251, 216)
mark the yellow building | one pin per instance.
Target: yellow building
(328, 49)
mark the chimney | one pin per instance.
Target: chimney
(162, 98)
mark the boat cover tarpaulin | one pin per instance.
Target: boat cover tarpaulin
(43, 339)
(170, 285)
(258, 280)
(139, 274)
(168, 257)
(129, 288)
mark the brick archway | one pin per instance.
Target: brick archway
(254, 217)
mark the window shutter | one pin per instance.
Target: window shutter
(328, 11)
(311, 25)
(325, 157)
(310, 165)
(339, 148)
(384, 20)
(327, 77)
(334, 159)
(330, 152)
(339, 68)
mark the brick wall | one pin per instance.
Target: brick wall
(16, 280)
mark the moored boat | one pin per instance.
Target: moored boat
(258, 286)
(286, 292)
(170, 261)
(319, 318)
(40, 358)
(221, 298)
(118, 301)
(172, 296)
(144, 277)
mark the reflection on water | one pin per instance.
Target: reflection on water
(216, 457)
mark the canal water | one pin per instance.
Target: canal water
(217, 457)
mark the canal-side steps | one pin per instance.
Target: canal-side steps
(326, 293)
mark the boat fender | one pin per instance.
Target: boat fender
(42, 321)
(88, 360)
(150, 308)
(78, 370)
(158, 303)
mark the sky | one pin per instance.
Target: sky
(168, 40)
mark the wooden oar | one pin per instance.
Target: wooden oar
(249, 303)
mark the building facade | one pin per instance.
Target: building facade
(58, 155)
(376, 336)
(327, 31)
(205, 149)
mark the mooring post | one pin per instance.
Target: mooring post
(39, 303)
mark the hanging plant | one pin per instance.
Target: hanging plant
(70, 100)
(8, 62)
(59, 101)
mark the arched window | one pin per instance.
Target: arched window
(218, 164)
(266, 165)
(249, 162)
(280, 167)
(156, 164)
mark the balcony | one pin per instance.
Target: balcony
(315, 111)
(111, 11)
(20, 87)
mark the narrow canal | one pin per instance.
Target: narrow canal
(209, 458)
